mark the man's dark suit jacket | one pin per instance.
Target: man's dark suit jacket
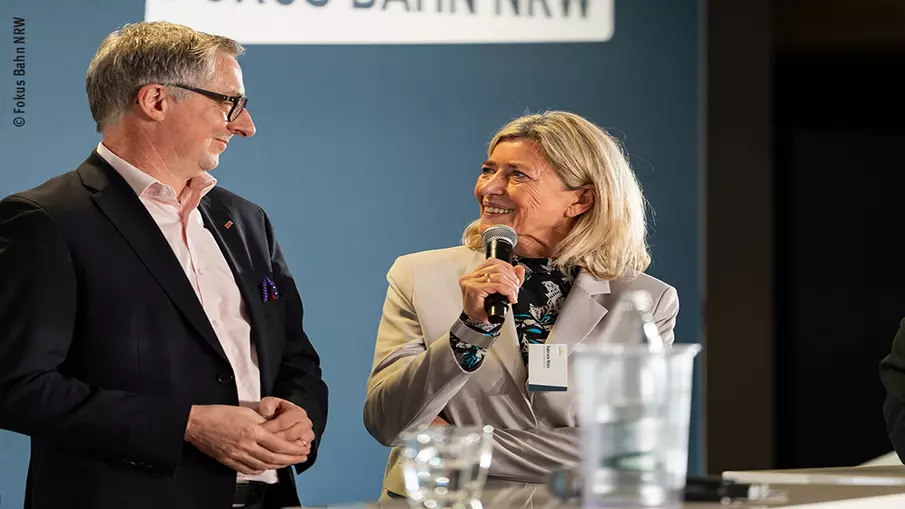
(892, 373)
(104, 345)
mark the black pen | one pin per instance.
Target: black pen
(717, 489)
(565, 484)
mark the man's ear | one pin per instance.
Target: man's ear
(153, 101)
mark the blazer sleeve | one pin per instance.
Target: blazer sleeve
(665, 313)
(411, 381)
(299, 379)
(38, 304)
(892, 373)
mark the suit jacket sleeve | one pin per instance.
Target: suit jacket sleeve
(38, 311)
(411, 381)
(892, 373)
(299, 379)
(665, 312)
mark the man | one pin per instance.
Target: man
(892, 374)
(145, 312)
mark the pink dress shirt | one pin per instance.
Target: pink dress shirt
(206, 269)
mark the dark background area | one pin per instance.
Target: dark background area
(804, 291)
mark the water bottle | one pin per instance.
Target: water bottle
(634, 400)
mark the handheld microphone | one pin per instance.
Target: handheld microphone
(499, 240)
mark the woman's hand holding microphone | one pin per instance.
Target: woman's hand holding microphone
(491, 276)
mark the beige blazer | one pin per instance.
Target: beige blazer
(415, 376)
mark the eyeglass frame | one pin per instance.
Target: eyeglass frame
(234, 99)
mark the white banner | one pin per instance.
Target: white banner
(392, 21)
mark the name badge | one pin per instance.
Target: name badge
(548, 368)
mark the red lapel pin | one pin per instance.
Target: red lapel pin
(227, 224)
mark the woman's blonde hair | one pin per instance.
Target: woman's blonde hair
(610, 239)
(142, 53)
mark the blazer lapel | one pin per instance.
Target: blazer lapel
(509, 351)
(123, 208)
(506, 348)
(216, 216)
(581, 312)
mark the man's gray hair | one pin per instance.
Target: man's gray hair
(143, 53)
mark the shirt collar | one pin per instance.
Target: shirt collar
(140, 181)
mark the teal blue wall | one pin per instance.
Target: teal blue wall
(359, 145)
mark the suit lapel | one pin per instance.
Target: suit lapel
(216, 216)
(581, 312)
(508, 350)
(123, 208)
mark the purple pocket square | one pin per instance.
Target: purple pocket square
(269, 290)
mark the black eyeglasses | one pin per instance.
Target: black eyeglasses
(238, 101)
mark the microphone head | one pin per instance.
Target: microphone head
(500, 232)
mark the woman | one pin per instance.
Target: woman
(566, 188)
